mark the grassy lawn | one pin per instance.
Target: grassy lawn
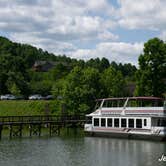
(26, 107)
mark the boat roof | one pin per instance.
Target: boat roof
(134, 98)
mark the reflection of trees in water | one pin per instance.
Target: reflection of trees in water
(124, 152)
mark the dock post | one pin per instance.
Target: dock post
(15, 130)
(39, 129)
(20, 130)
(11, 130)
(35, 129)
(1, 128)
(50, 133)
(54, 129)
(30, 130)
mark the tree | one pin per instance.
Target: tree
(113, 83)
(151, 76)
(3, 78)
(15, 90)
(43, 87)
(18, 79)
(114, 65)
(91, 87)
(104, 64)
(71, 90)
(98, 64)
(95, 63)
(59, 71)
(79, 89)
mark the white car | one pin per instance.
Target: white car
(8, 97)
(49, 97)
(35, 97)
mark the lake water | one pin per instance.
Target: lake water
(80, 151)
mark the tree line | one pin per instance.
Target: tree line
(77, 83)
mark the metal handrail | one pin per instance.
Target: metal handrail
(39, 118)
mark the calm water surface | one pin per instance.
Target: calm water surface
(84, 151)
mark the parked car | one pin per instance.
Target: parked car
(20, 97)
(35, 97)
(49, 97)
(8, 97)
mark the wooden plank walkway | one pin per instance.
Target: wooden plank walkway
(53, 124)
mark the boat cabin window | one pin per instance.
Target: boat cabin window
(133, 103)
(123, 123)
(116, 122)
(88, 120)
(102, 122)
(138, 123)
(161, 122)
(145, 122)
(98, 103)
(109, 122)
(113, 103)
(144, 103)
(96, 121)
(131, 123)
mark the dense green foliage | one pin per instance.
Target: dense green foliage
(113, 82)
(79, 89)
(151, 77)
(77, 83)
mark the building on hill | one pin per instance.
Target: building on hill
(43, 66)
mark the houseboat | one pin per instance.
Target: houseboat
(129, 117)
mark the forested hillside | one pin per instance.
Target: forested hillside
(77, 82)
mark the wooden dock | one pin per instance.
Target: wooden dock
(52, 123)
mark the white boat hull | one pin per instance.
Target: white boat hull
(126, 135)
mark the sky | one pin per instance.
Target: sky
(84, 29)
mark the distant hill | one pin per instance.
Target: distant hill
(25, 69)
(29, 53)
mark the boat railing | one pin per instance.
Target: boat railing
(132, 108)
(144, 108)
(111, 108)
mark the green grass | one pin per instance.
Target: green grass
(26, 107)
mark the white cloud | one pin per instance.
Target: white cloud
(78, 26)
(106, 35)
(56, 47)
(65, 26)
(114, 51)
(56, 20)
(53, 25)
(163, 35)
(142, 14)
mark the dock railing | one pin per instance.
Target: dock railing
(39, 118)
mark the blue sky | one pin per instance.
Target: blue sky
(84, 29)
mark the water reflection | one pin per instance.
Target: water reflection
(84, 151)
(125, 152)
